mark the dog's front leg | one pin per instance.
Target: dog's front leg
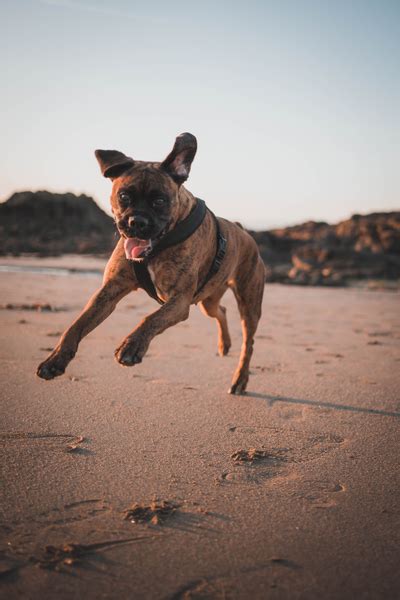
(135, 345)
(99, 307)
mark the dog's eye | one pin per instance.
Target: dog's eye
(124, 197)
(159, 202)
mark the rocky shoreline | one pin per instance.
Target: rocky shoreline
(362, 248)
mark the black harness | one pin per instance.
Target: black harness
(181, 232)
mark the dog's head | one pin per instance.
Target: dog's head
(145, 195)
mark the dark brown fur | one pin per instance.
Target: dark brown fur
(177, 271)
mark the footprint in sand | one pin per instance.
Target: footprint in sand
(252, 581)
(270, 461)
(321, 494)
(255, 465)
(28, 531)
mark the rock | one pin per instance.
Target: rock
(53, 224)
(362, 247)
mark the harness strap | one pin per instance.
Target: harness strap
(181, 232)
(219, 255)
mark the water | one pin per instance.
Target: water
(59, 271)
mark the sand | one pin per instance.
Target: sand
(288, 492)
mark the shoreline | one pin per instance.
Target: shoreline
(93, 265)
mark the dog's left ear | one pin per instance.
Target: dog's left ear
(179, 160)
(113, 163)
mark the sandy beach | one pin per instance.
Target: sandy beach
(310, 507)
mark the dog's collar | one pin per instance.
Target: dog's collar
(181, 232)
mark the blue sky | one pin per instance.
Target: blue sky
(295, 103)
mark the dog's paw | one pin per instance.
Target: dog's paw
(238, 386)
(53, 366)
(130, 352)
(224, 347)
(237, 390)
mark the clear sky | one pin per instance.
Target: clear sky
(295, 103)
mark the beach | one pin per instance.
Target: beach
(289, 492)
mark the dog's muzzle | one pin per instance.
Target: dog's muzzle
(140, 237)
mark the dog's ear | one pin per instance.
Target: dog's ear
(113, 163)
(178, 162)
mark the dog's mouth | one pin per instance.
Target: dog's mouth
(136, 248)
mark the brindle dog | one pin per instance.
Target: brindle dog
(148, 199)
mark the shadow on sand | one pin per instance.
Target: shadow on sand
(357, 409)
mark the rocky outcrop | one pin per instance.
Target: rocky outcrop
(52, 224)
(363, 247)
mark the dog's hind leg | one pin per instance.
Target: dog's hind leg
(248, 290)
(212, 308)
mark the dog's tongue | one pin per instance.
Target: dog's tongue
(135, 247)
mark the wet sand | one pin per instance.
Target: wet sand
(290, 492)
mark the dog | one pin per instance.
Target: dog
(172, 245)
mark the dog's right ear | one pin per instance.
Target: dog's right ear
(113, 163)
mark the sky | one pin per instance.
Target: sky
(295, 103)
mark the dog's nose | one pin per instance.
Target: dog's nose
(139, 222)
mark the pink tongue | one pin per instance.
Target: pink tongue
(134, 247)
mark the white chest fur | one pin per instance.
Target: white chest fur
(153, 278)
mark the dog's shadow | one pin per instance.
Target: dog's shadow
(271, 400)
